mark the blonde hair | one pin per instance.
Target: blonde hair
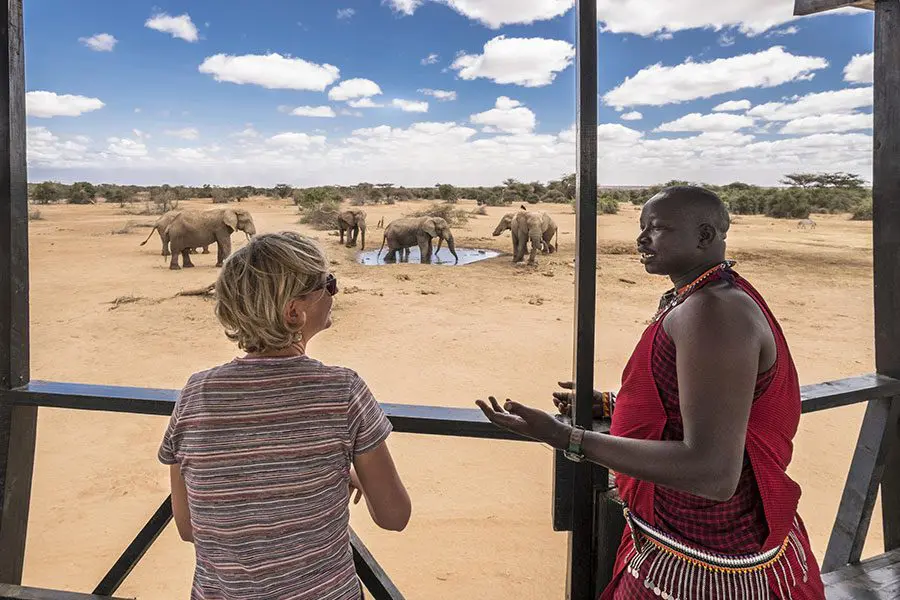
(258, 281)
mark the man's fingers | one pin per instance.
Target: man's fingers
(564, 396)
(566, 385)
(495, 404)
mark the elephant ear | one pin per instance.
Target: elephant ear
(428, 226)
(231, 219)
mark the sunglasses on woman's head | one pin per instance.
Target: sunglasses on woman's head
(330, 285)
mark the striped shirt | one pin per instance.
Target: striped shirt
(265, 447)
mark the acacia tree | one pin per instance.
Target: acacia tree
(47, 192)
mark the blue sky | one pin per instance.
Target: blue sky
(311, 92)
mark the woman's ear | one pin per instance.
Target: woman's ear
(294, 314)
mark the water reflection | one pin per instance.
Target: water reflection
(466, 256)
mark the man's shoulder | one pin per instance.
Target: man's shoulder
(717, 306)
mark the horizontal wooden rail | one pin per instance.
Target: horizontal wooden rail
(18, 592)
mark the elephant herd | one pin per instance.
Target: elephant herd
(402, 234)
(182, 231)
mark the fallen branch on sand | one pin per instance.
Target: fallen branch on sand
(208, 291)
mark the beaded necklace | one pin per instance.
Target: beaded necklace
(676, 296)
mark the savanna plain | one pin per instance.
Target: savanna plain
(104, 310)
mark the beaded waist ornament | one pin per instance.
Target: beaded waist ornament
(678, 572)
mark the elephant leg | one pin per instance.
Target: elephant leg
(341, 228)
(391, 256)
(224, 250)
(535, 244)
(425, 252)
(186, 258)
(165, 243)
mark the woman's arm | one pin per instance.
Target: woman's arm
(181, 512)
(386, 497)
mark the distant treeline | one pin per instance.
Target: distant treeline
(802, 194)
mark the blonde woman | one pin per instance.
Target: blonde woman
(265, 451)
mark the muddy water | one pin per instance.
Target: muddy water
(466, 256)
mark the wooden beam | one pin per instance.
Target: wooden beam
(18, 424)
(810, 7)
(886, 237)
(15, 592)
(580, 571)
(858, 500)
(877, 578)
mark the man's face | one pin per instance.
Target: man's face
(669, 238)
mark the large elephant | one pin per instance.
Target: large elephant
(549, 229)
(193, 229)
(160, 227)
(401, 234)
(353, 221)
(526, 227)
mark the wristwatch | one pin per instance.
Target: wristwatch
(575, 452)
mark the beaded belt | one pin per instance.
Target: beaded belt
(680, 572)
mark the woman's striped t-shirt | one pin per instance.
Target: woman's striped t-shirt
(265, 447)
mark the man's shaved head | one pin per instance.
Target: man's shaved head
(702, 205)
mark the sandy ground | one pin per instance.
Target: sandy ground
(419, 334)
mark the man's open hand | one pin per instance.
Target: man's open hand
(526, 421)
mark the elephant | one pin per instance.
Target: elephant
(353, 221)
(402, 234)
(525, 227)
(549, 229)
(160, 227)
(192, 229)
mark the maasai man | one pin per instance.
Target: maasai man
(702, 427)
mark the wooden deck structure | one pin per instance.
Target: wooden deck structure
(585, 504)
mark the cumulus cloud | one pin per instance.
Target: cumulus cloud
(828, 123)
(410, 105)
(494, 13)
(733, 105)
(646, 17)
(101, 42)
(46, 148)
(50, 104)
(860, 69)
(363, 103)
(508, 116)
(821, 103)
(792, 30)
(658, 85)
(430, 59)
(529, 62)
(632, 116)
(314, 111)
(721, 122)
(292, 139)
(126, 148)
(272, 71)
(345, 13)
(442, 95)
(354, 88)
(187, 133)
(178, 27)
(247, 133)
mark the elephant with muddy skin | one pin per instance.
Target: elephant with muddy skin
(521, 226)
(402, 234)
(160, 227)
(353, 221)
(193, 229)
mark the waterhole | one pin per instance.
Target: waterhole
(466, 256)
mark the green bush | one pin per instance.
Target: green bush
(863, 212)
(454, 216)
(555, 197)
(607, 205)
(791, 203)
(321, 216)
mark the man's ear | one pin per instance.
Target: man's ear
(707, 235)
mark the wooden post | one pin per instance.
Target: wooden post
(17, 424)
(886, 239)
(580, 579)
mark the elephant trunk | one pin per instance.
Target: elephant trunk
(362, 231)
(451, 244)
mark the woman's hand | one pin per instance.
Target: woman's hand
(526, 421)
(356, 486)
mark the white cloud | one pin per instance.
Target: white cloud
(494, 13)
(178, 27)
(272, 71)
(726, 40)
(50, 104)
(247, 133)
(792, 30)
(126, 148)
(828, 123)
(834, 102)
(354, 88)
(860, 69)
(314, 111)
(363, 103)
(46, 148)
(716, 122)
(410, 105)
(101, 42)
(646, 17)
(665, 36)
(733, 105)
(658, 85)
(187, 133)
(430, 59)
(530, 62)
(350, 113)
(632, 116)
(442, 95)
(345, 13)
(295, 140)
(508, 116)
